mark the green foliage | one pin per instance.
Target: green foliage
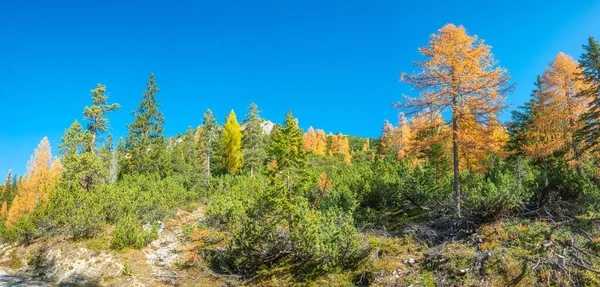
(503, 188)
(263, 234)
(82, 167)
(145, 144)
(95, 114)
(187, 160)
(254, 140)
(209, 134)
(126, 269)
(129, 233)
(9, 189)
(147, 197)
(286, 146)
(291, 218)
(76, 212)
(356, 143)
(589, 63)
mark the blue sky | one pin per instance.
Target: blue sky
(335, 64)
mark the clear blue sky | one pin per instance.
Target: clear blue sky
(335, 64)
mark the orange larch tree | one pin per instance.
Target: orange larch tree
(314, 141)
(366, 146)
(556, 112)
(309, 139)
(459, 75)
(321, 142)
(3, 210)
(401, 135)
(340, 145)
(35, 187)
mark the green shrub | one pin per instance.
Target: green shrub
(76, 212)
(267, 231)
(128, 233)
(501, 189)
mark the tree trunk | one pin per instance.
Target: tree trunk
(208, 166)
(251, 171)
(93, 144)
(573, 143)
(456, 167)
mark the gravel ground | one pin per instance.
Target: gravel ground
(11, 280)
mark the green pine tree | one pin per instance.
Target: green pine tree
(589, 62)
(254, 140)
(145, 142)
(186, 159)
(209, 133)
(286, 145)
(288, 175)
(96, 114)
(108, 156)
(81, 166)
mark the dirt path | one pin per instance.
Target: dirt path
(154, 265)
(164, 252)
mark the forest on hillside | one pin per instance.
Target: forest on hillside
(447, 196)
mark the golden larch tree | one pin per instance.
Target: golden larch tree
(401, 135)
(314, 141)
(556, 112)
(366, 146)
(340, 145)
(309, 140)
(3, 210)
(321, 142)
(459, 75)
(35, 187)
(427, 128)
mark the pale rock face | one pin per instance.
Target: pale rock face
(267, 126)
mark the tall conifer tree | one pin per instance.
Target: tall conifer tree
(589, 63)
(254, 140)
(232, 144)
(145, 142)
(459, 75)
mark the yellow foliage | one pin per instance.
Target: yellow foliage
(324, 183)
(35, 187)
(367, 145)
(3, 210)
(232, 141)
(556, 111)
(401, 136)
(315, 141)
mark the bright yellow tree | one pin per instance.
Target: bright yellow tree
(458, 75)
(232, 143)
(341, 145)
(315, 141)
(321, 142)
(3, 210)
(309, 140)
